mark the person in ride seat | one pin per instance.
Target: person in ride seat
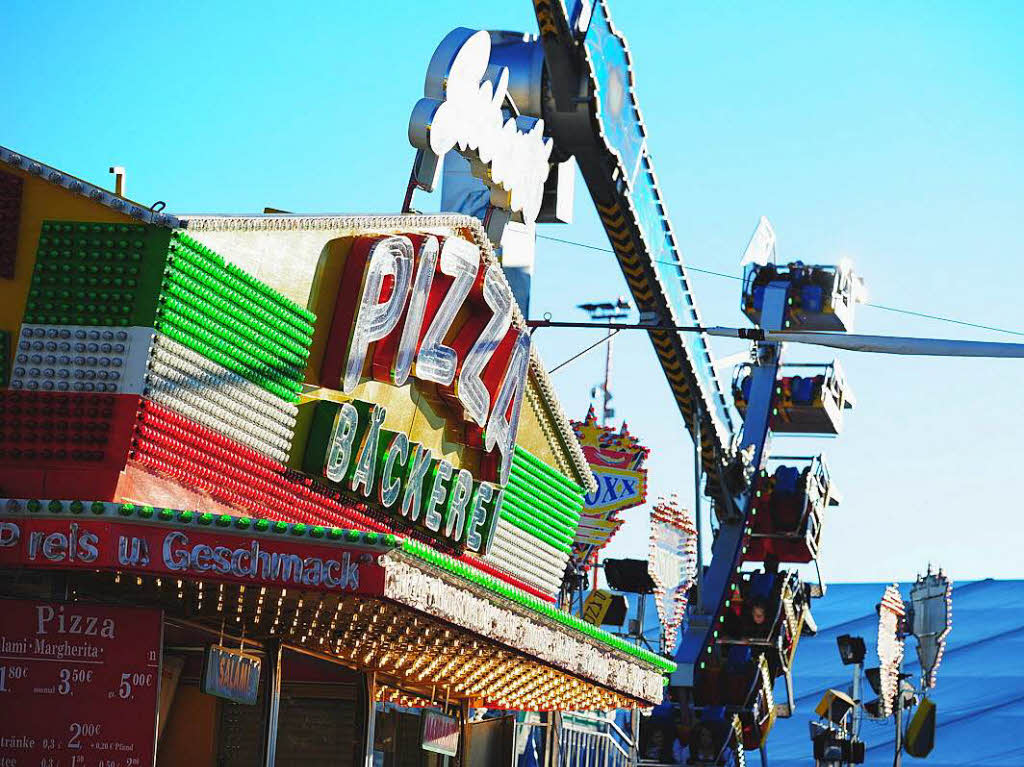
(756, 622)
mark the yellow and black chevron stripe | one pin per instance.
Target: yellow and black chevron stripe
(672, 354)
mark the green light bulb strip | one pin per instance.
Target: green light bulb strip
(461, 569)
(265, 289)
(534, 494)
(236, 347)
(237, 279)
(187, 263)
(529, 525)
(173, 307)
(96, 274)
(184, 287)
(532, 476)
(568, 506)
(530, 512)
(218, 318)
(544, 472)
(217, 353)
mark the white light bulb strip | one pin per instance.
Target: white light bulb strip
(216, 400)
(206, 370)
(193, 406)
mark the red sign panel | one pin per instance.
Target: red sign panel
(187, 552)
(79, 684)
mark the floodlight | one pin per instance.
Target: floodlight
(629, 575)
(616, 614)
(851, 649)
(874, 677)
(921, 731)
(834, 706)
(873, 708)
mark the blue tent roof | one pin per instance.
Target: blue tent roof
(979, 694)
(980, 684)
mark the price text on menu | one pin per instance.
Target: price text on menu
(79, 684)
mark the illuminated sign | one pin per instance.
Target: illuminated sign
(617, 489)
(672, 564)
(231, 674)
(616, 458)
(462, 110)
(350, 448)
(432, 309)
(595, 609)
(440, 733)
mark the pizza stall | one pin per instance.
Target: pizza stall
(277, 485)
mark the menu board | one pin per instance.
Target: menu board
(79, 684)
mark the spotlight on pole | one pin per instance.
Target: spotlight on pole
(851, 649)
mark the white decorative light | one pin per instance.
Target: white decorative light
(460, 606)
(890, 645)
(672, 563)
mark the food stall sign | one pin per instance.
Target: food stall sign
(187, 551)
(231, 674)
(440, 733)
(79, 684)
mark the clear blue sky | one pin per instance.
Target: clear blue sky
(890, 133)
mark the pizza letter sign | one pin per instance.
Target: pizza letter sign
(431, 308)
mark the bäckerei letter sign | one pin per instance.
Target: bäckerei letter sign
(462, 110)
(349, 447)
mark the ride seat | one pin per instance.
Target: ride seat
(786, 479)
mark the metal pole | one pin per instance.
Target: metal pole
(272, 703)
(606, 395)
(371, 716)
(463, 750)
(697, 471)
(634, 727)
(855, 726)
(897, 759)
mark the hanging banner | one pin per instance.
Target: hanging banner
(616, 458)
(79, 684)
(440, 733)
(231, 674)
(672, 564)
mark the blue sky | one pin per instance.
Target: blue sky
(889, 133)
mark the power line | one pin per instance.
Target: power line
(576, 356)
(894, 309)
